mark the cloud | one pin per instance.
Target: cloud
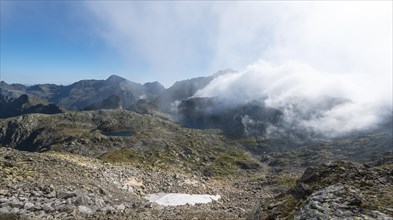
(328, 66)
(184, 39)
(304, 53)
(168, 38)
(324, 103)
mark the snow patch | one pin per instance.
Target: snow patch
(175, 199)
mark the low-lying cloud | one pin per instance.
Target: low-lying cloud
(328, 68)
(325, 103)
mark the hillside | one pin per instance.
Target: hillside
(85, 93)
(25, 104)
(113, 159)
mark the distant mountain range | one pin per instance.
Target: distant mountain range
(252, 118)
(114, 92)
(86, 93)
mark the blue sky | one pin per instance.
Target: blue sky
(65, 41)
(48, 42)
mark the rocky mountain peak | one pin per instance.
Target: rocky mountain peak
(154, 88)
(115, 79)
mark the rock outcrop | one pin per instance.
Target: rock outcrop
(337, 190)
(24, 104)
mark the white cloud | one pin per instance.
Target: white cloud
(308, 50)
(169, 38)
(183, 39)
(318, 50)
(321, 102)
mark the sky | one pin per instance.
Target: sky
(65, 41)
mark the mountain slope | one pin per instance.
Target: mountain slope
(184, 89)
(25, 104)
(154, 140)
(87, 92)
(12, 90)
(84, 93)
(154, 88)
(336, 190)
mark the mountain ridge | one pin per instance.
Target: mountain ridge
(84, 93)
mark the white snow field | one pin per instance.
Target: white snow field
(175, 199)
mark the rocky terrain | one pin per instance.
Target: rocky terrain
(337, 190)
(83, 172)
(67, 186)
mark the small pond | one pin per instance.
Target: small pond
(118, 133)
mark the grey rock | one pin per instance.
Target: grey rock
(120, 207)
(64, 208)
(69, 201)
(99, 202)
(15, 210)
(28, 205)
(23, 198)
(5, 209)
(57, 202)
(38, 207)
(41, 214)
(36, 193)
(103, 191)
(65, 194)
(51, 194)
(3, 192)
(16, 204)
(59, 207)
(107, 209)
(82, 199)
(47, 207)
(84, 209)
(330, 202)
(4, 200)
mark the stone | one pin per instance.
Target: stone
(103, 191)
(99, 202)
(5, 209)
(3, 192)
(40, 214)
(28, 205)
(36, 193)
(65, 194)
(82, 199)
(108, 209)
(47, 207)
(51, 194)
(301, 190)
(59, 207)
(84, 209)
(16, 204)
(68, 201)
(38, 207)
(15, 210)
(4, 200)
(120, 207)
(23, 199)
(47, 189)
